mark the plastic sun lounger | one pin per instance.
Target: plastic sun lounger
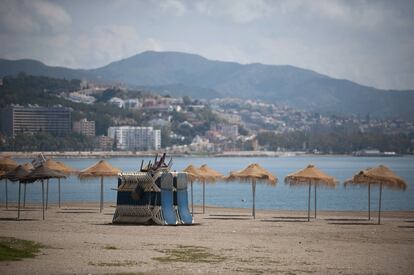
(167, 199)
(182, 199)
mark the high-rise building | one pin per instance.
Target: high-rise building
(135, 138)
(32, 119)
(84, 127)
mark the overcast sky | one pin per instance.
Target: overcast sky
(370, 42)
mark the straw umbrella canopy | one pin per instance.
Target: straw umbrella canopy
(253, 173)
(6, 165)
(310, 175)
(194, 174)
(59, 167)
(19, 173)
(381, 175)
(42, 173)
(99, 170)
(28, 166)
(210, 175)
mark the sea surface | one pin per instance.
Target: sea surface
(239, 194)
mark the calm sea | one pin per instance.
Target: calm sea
(240, 194)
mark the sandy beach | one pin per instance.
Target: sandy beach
(80, 240)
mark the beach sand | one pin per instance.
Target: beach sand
(80, 240)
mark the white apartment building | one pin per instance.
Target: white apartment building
(135, 138)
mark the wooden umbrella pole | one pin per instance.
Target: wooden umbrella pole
(59, 190)
(204, 197)
(315, 200)
(309, 197)
(101, 205)
(379, 205)
(43, 199)
(369, 201)
(47, 192)
(18, 205)
(192, 201)
(254, 198)
(24, 195)
(7, 199)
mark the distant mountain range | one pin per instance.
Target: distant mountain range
(179, 74)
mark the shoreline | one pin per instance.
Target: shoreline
(115, 154)
(247, 211)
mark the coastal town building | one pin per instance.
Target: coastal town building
(84, 127)
(104, 143)
(229, 130)
(135, 138)
(32, 119)
(132, 103)
(118, 102)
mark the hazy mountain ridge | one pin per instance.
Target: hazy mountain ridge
(181, 74)
(37, 68)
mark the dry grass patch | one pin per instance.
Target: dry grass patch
(111, 247)
(12, 249)
(189, 254)
(114, 263)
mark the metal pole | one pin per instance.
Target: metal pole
(24, 195)
(315, 200)
(369, 201)
(7, 198)
(18, 205)
(254, 198)
(43, 199)
(192, 202)
(47, 193)
(101, 205)
(379, 205)
(204, 197)
(59, 190)
(309, 197)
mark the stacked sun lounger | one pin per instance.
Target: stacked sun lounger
(152, 196)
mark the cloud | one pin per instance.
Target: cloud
(240, 12)
(22, 17)
(366, 41)
(370, 15)
(99, 46)
(174, 7)
(91, 48)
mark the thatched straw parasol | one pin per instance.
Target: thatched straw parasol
(194, 174)
(210, 175)
(381, 175)
(310, 175)
(59, 167)
(19, 173)
(99, 170)
(28, 166)
(7, 165)
(254, 173)
(42, 173)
